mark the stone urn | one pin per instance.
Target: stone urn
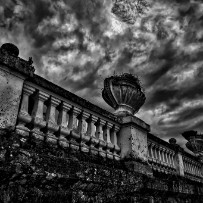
(195, 143)
(124, 94)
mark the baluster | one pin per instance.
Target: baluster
(166, 157)
(148, 153)
(186, 164)
(64, 131)
(192, 167)
(154, 152)
(169, 158)
(151, 151)
(109, 145)
(73, 122)
(99, 135)
(91, 132)
(195, 169)
(37, 114)
(163, 157)
(52, 125)
(159, 153)
(73, 126)
(82, 126)
(173, 154)
(24, 117)
(91, 126)
(114, 140)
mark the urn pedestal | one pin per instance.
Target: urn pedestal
(125, 95)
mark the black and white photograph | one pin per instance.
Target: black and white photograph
(101, 101)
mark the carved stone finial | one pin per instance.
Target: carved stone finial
(30, 61)
(172, 141)
(10, 49)
(123, 93)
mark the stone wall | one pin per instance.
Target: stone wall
(36, 172)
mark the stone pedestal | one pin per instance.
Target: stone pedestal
(13, 72)
(132, 139)
(179, 163)
(10, 95)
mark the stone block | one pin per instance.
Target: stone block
(10, 95)
(133, 139)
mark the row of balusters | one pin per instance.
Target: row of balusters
(192, 167)
(46, 118)
(160, 156)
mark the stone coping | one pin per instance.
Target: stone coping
(135, 121)
(18, 64)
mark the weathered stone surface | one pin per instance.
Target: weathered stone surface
(133, 143)
(10, 94)
(139, 167)
(179, 164)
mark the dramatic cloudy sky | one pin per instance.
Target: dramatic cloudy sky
(77, 43)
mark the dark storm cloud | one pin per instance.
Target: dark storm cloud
(87, 81)
(188, 114)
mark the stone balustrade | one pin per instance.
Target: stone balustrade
(166, 158)
(47, 117)
(160, 157)
(192, 167)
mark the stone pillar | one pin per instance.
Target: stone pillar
(179, 163)
(64, 131)
(132, 140)
(178, 158)
(13, 72)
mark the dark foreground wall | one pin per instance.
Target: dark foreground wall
(35, 172)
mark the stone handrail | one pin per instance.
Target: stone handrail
(57, 120)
